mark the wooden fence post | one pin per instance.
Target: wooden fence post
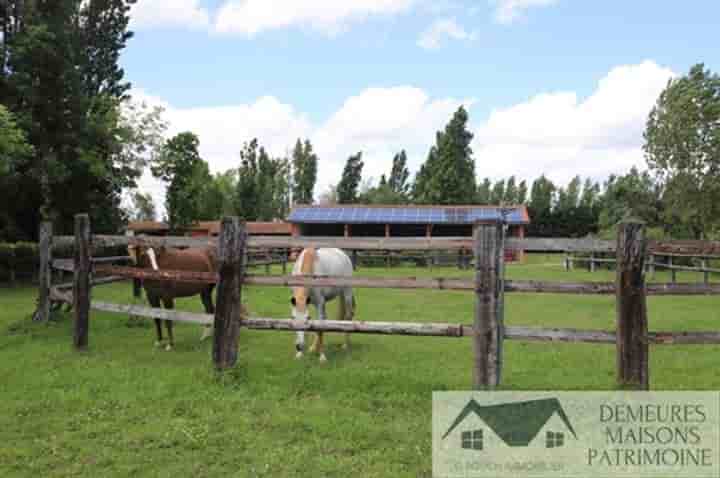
(652, 266)
(673, 276)
(631, 307)
(45, 271)
(231, 258)
(488, 327)
(11, 266)
(706, 274)
(592, 262)
(81, 288)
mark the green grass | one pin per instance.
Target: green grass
(125, 408)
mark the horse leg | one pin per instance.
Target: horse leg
(206, 296)
(319, 346)
(155, 303)
(169, 305)
(347, 309)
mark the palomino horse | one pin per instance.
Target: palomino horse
(332, 262)
(165, 258)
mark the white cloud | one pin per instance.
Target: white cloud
(508, 11)
(147, 14)
(380, 122)
(250, 17)
(223, 130)
(441, 29)
(558, 134)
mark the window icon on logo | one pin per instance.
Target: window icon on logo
(472, 440)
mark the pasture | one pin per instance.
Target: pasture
(125, 408)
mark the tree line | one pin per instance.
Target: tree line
(71, 140)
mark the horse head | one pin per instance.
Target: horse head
(145, 256)
(301, 298)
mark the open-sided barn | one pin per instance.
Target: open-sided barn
(404, 221)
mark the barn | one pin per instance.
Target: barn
(404, 221)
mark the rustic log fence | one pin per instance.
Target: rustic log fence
(652, 263)
(487, 331)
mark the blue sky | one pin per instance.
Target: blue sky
(555, 86)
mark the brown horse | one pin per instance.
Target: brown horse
(201, 259)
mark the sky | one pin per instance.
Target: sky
(554, 87)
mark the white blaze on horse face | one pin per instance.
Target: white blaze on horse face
(153, 260)
(132, 252)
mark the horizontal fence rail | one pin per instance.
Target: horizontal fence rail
(527, 334)
(603, 288)
(677, 248)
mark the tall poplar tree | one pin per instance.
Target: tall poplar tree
(448, 175)
(304, 166)
(347, 188)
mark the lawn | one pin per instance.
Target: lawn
(126, 408)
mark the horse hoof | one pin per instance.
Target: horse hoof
(345, 346)
(299, 355)
(158, 344)
(323, 358)
(168, 348)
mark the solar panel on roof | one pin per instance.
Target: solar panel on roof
(404, 215)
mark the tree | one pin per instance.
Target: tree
(569, 198)
(540, 207)
(218, 197)
(632, 195)
(179, 164)
(682, 146)
(497, 195)
(273, 187)
(565, 218)
(59, 76)
(13, 144)
(448, 175)
(304, 165)
(263, 187)
(399, 175)
(347, 188)
(511, 191)
(142, 207)
(392, 190)
(247, 197)
(522, 192)
(484, 190)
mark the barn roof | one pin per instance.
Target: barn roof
(362, 214)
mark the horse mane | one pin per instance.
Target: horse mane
(308, 264)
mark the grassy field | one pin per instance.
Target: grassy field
(125, 408)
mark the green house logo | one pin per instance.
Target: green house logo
(517, 424)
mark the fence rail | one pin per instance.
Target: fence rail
(525, 334)
(439, 283)
(530, 244)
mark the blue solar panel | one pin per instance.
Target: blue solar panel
(403, 215)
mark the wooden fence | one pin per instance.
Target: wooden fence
(652, 263)
(487, 330)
